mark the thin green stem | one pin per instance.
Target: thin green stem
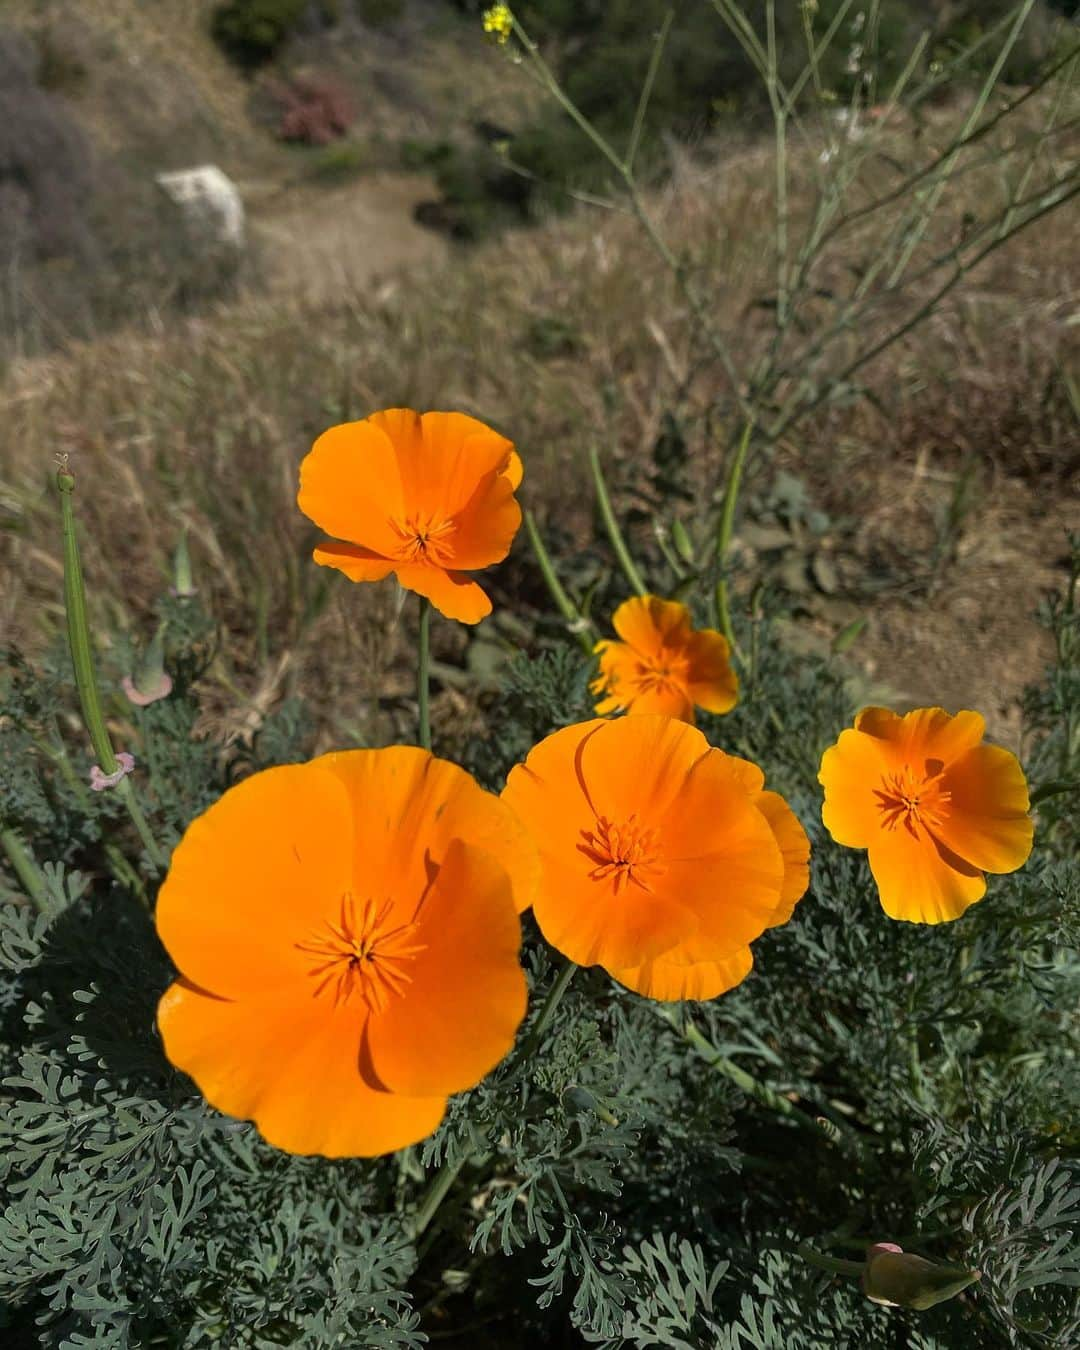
(723, 538)
(83, 664)
(26, 869)
(449, 1172)
(836, 1265)
(575, 620)
(554, 998)
(436, 1193)
(423, 674)
(79, 632)
(647, 88)
(914, 237)
(611, 524)
(747, 1083)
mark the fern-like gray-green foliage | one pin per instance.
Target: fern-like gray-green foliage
(614, 1189)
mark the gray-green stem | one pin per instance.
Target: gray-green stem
(723, 539)
(83, 666)
(611, 524)
(575, 620)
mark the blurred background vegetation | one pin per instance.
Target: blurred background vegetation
(422, 227)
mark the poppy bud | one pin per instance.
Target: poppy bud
(151, 681)
(183, 587)
(899, 1279)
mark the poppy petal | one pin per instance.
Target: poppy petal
(514, 471)
(467, 994)
(292, 1067)
(923, 734)
(987, 822)
(418, 804)
(794, 849)
(638, 768)
(486, 525)
(237, 901)
(713, 685)
(457, 452)
(453, 594)
(665, 979)
(921, 881)
(850, 771)
(358, 564)
(351, 488)
(663, 700)
(648, 623)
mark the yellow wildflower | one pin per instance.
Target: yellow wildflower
(499, 23)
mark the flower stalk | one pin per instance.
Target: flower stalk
(85, 678)
(575, 620)
(760, 1092)
(614, 530)
(25, 868)
(723, 539)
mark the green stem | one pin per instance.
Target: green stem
(436, 1193)
(723, 538)
(761, 1092)
(449, 1172)
(575, 620)
(647, 88)
(26, 869)
(836, 1265)
(554, 998)
(83, 665)
(615, 534)
(79, 631)
(423, 691)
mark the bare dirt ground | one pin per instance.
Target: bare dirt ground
(336, 241)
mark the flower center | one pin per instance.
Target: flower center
(360, 955)
(907, 799)
(666, 670)
(626, 853)
(425, 540)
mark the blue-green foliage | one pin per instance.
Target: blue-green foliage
(613, 1188)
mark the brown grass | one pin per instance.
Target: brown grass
(203, 427)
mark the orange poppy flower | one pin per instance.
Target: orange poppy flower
(429, 498)
(347, 938)
(934, 807)
(661, 857)
(663, 664)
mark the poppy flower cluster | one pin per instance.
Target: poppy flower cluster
(346, 932)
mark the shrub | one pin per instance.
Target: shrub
(45, 166)
(252, 31)
(311, 110)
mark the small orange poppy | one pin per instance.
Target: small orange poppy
(347, 938)
(429, 498)
(661, 857)
(934, 807)
(663, 664)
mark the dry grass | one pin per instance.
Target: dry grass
(203, 427)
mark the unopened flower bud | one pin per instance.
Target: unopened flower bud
(183, 587)
(899, 1279)
(151, 681)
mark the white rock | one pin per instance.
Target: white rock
(208, 198)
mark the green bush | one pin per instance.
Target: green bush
(252, 31)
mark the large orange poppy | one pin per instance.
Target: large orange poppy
(934, 807)
(429, 498)
(347, 938)
(663, 664)
(662, 858)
